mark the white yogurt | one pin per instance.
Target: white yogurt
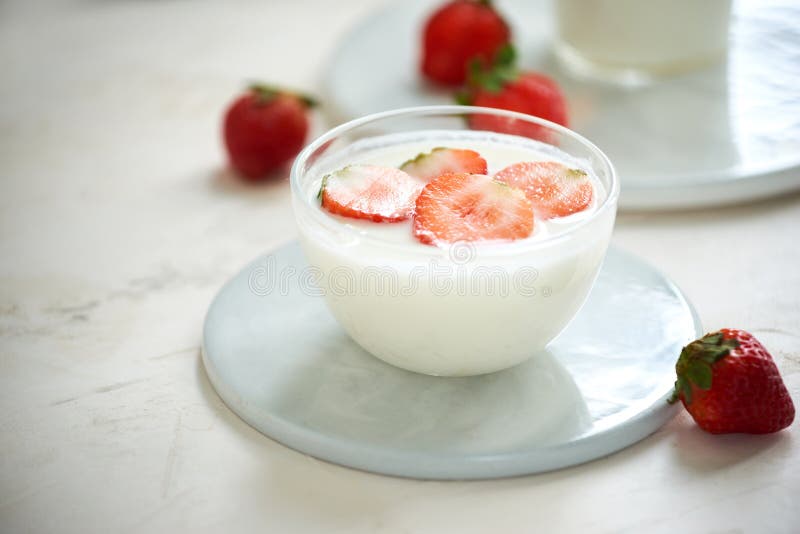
(653, 36)
(468, 309)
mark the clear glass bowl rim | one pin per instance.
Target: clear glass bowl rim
(486, 249)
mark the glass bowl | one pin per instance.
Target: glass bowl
(467, 308)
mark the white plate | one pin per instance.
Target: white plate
(724, 135)
(284, 365)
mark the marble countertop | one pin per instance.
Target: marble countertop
(119, 223)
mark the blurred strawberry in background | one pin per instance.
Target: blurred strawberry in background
(502, 85)
(264, 129)
(457, 33)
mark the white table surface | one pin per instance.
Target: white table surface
(119, 222)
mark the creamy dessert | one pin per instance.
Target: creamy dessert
(655, 37)
(453, 252)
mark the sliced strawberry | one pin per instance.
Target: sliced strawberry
(471, 207)
(380, 194)
(554, 189)
(439, 161)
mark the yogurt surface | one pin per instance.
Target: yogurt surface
(657, 35)
(499, 151)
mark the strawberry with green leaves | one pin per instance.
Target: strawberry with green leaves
(264, 129)
(458, 32)
(728, 382)
(503, 86)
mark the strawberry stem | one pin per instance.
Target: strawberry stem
(694, 366)
(493, 77)
(322, 186)
(463, 97)
(267, 93)
(576, 174)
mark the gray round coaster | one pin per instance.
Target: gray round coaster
(281, 362)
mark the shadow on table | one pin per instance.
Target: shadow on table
(225, 180)
(701, 452)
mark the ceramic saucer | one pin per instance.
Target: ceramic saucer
(280, 361)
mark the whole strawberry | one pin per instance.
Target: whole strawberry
(728, 382)
(503, 86)
(264, 129)
(456, 34)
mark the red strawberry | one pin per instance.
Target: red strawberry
(729, 383)
(471, 207)
(504, 87)
(379, 194)
(457, 33)
(554, 189)
(264, 129)
(439, 161)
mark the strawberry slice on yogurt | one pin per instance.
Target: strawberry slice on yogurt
(471, 207)
(379, 194)
(441, 160)
(554, 189)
